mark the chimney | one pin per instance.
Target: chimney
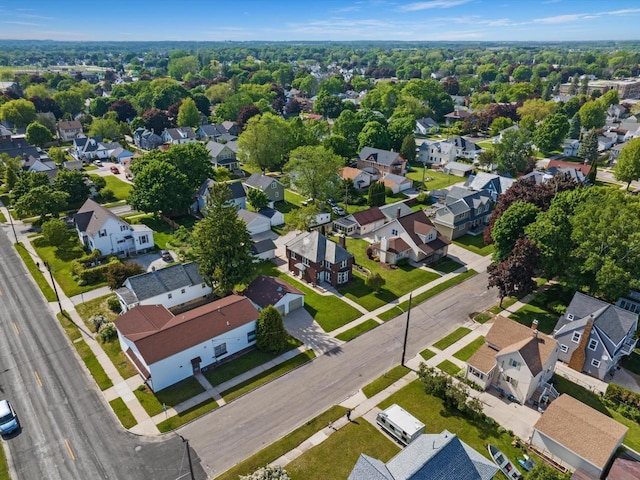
(342, 241)
(535, 334)
(398, 212)
(534, 325)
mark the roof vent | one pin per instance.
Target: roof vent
(228, 324)
(570, 316)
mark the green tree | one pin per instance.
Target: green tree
(19, 112)
(588, 148)
(179, 67)
(514, 276)
(544, 472)
(271, 336)
(339, 145)
(510, 227)
(408, 148)
(522, 73)
(377, 194)
(609, 98)
(349, 125)
(315, 171)
(105, 128)
(188, 114)
(374, 135)
(42, 201)
(375, 282)
(627, 168)
(118, 272)
(513, 151)
(160, 188)
(37, 134)
(551, 132)
(592, 115)
(72, 182)
(537, 108)
(69, 102)
(265, 142)
(11, 174)
(58, 155)
(222, 243)
(303, 218)
(499, 124)
(329, 106)
(99, 106)
(257, 198)
(27, 181)
(55, 232)
(575, 127)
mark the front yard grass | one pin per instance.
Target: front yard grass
(242, 364)
(162, 231)
(93, 365)
(506, 303)
(452, 338)
(284, 445)
(449, 367)
(427, 354)
(542, 306)
(97, 305)
(3, 219)
(382, 382)
(328, 310)
(467, 351)
(196, 411)
(170, 396)
(36, 273)
(336, 456)
(446, 265)
(357, 330)
(435, 180)
(475, 244)
(267, 376)
(120, 189)
(123, 413)
(482, 317)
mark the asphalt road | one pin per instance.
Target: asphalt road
(68, 432)
(228, 435)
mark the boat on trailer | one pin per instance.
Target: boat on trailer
(506, 465)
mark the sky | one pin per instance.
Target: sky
(320, 20)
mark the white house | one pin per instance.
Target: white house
(90, 148)
(397, 183)
(276, 217)
(166, 349)
(265, 291)
(179, 135)
(570, 147)
(360, 223)
(238, 195)
(256, 223)
(361, 179)
(99, 228)
(170, 286)
(425, 126)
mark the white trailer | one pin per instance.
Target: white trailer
(400, 424)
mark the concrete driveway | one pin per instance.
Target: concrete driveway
(301, 325)
(152, 261)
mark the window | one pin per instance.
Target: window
(276, 194)
(343, 277)
(576, 337)
(274, 185)
(512, 381)
(169, 295)
(593, 344)
(513, 363)
(203, 285)
(394, 232)
(220, 350)
(124, 228)
(343, 263)
(293, 255)
(305, 261)
(102, 233)
(144, 239)
(595, 363)
(564, 348)
(251, 336)
(182, 291)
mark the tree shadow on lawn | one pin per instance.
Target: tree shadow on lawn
(357, 288)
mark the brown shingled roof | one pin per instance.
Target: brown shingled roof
(398, 245)
(535, 351)
(484, 359)
(265, 291)
(505, 332)
(368, 216)
(583, 430)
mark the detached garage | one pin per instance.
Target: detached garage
(265, 291)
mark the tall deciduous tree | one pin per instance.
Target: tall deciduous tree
(160, 188)
(265, 142)
(105, 128)
(42, 201)
(156, 120)
(271, 336)
(551, 132)
(377, 193)
(514, 276)
(315, 171)
(38, 134)
(55, 232)
(257, 198)
(188, 114)
(118, 272)
(222, 243)
(72, 182)
(510, 227)
(124, 110)
(374, 135)
(408, 148)
(592, 115)
(349, 125)
(628, 166)
(574, 127)
(513, 151)
(69, 102)
(20, 112)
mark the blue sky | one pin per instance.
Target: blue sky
(282, 20)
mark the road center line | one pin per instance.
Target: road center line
(66, 442)
(15, 327)
(38, 378)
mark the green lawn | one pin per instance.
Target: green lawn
(123, 413)
(452, 338)
(475, 244)
(446, 265)
(293, 198)
(98, 305)
(93, 365)
(357, 330)
(482, 317)
(70, 328)
(162, 231)
(59, 259)
(36, 273)
(171, 396)
(4, 468)
(399, 280)
(389, 378)
(432, 292)
(283, 445)
(3, 219)
(434, 180)
(541, 308)
(120, 189)
(335, 457)
(436, 417)
(449, 367)
(242, 364)
(196, 411)
(328, 310)
(506, 303)
(466, 352)
(267, 376)
(632, 362)
(427, 354)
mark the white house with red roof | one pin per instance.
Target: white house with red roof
(167, 348)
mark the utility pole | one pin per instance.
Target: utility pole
(188, 455)
(406, 331)
(12, 227)
(53, 282)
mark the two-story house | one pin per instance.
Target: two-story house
(68, 130)
(269, 185)
(383, 161)
(316, 259)
(91, 148)
(426, 125)
(464, 210)
(595, 335)
(146, 139)
(171, 286)
(223, 156)
(238, 195)
(179, 135)
(100, 229)
(516, 360)
(411, 237)
(496, 185)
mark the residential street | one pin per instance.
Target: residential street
(228, 435)
(68, 432)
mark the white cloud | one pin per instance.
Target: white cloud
(412, 7)
(12, 22)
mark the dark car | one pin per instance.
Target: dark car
(114, 169)
(166, 256)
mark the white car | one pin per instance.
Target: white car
(339, 211)
(97, 163)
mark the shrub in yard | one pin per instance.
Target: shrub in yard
(268, 473)
(271, 336)
(107, 332)
(118, 272)
(97, 321)
(423, 198)
(453, 394)
(107, 195)
(114, 305)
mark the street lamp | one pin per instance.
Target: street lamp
(12, 227)
(184, 440)
(53, 282)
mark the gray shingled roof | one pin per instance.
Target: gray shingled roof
(164, 280)
(381, 157)
(257, 180)
(317, 247)
(92, 216)
(369, 468)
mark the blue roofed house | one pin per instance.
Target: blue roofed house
(121, 155)
(594, 335)
(464, 211)
(496, 185)
(238, 195)
(431, 456)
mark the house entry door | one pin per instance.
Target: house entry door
(195, 364)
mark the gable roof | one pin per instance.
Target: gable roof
(237, 190)
(249, 216)
(485, 181)
(585, 169)
(391, 179)
(352, 173)
(317, 247)
(216, 148)
(69, 125)
(379, 156)
(371, 215)
(265, 291)
(391, 210)
(257, 180)
(179, 133)
(427, 122)
(163, 280)
(582, 429)
(417, 223)
(158, 334)
(92, 216)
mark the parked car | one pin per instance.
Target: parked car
(166, 256)
(338, 211)
(332, 202)
(114, 169)
(306, 202)
(97, 163)
(8, 418)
